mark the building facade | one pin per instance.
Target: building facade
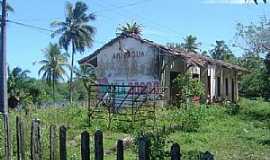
(131, 60)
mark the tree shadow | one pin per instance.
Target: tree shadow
(265, 142)
(259, 116)
(198, 155)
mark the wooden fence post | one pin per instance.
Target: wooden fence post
(85, 149)
(99, 152)
(120, 150)
(89, 90)
(35, 140)
(175, 152)
(207, 156)
(62, 141)
(20, 139)
(144, 148)
(7, 137)
(53, 142)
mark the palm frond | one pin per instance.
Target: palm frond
(9, 7)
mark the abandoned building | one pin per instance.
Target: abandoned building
(132, 60)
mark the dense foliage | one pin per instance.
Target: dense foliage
(221, 51)
(190, 44)
(53, 66)
(131, 28)
(30, 91)
(254, 40)
(187, 87)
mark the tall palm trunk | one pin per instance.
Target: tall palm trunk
(53, 87)
(71, 74)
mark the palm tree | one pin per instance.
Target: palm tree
(190, 44)
(17, 78)
(130, 28)
(86, 73)
(75, 31)
(53, 66)
(256, 1)
(172, 45)
(9, 8)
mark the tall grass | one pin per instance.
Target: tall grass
(244, 135)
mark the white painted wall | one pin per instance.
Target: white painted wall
(140, 68)
(212, 73)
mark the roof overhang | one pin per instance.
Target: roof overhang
(190, 57)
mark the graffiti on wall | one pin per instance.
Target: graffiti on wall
(128, 54)
(133, 64)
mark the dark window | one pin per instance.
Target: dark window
(226, 87)
(195, 76)
(232, 90)
(209, 85)
(218, 86)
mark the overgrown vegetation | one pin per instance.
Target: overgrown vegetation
(243, 135)
(187, 88)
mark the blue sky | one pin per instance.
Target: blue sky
(163, 21)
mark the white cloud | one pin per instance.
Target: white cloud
(228, 1)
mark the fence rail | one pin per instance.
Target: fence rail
(36, 146)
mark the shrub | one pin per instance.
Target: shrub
(191, 120)
(187, 87)
(232, 108)
(157, 140)
(187, 119)
(123, 126)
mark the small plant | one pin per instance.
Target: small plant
(122, 126)
(158, 141)
(191, 120)
(187, 119)
(232, 108)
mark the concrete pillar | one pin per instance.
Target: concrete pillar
(203, 78)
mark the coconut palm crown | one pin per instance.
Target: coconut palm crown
(130, 28)
(190, 44)
(75, 31)
(53, 66)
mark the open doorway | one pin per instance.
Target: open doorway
(173, 89)
(232, 91)
(209, 86)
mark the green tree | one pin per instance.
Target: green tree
(17, 80)
(87, 75)
(53, 66)
(221, 51)
(23, 89)
(267, 76)
(75, 31)
(254, 40)
(190, 44)
(131, 28)
(267, 63)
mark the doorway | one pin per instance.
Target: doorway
(232, 90)
(173, 89)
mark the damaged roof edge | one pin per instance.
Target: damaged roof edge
(83, 60)
(192, 57)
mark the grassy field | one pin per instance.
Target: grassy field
(241, 136)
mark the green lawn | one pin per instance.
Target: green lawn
(245, 135)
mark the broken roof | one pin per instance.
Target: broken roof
(191, 57)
